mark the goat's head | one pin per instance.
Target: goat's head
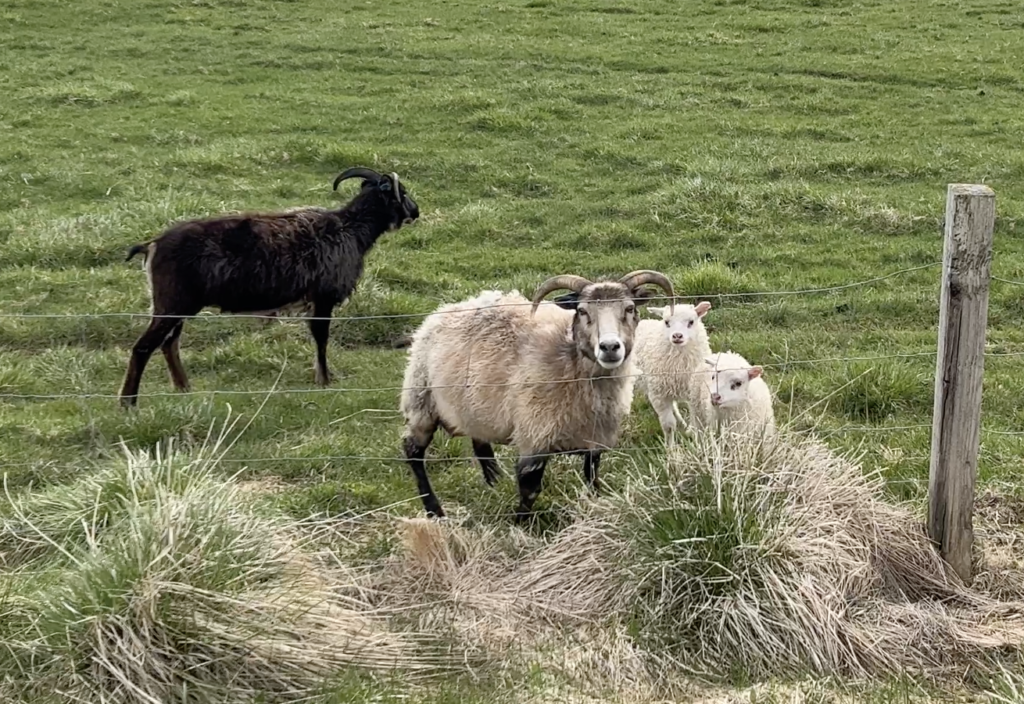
(606, 315)
(402, 209)
(683, 325)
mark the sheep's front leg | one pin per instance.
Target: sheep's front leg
(529, 474)
(320, 327)
(484, 454)
(667, 416)
(591, 460)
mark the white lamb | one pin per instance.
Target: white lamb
(741, 400)
(670, 352)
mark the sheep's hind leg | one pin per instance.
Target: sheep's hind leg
(415, 445)
(591, 461)
(320, 327)
(159, 330)
(170, 350)
(529, 474)
(484, 454)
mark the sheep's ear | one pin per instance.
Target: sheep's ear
(702, 308)
(568, 301)
(655, 310)
(710, 361)
(754, 372)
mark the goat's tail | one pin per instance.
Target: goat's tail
(138, 249)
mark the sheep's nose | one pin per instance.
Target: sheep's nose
(716, 399)
(677, 338)
(610, 346)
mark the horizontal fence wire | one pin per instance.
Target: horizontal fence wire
(625, 451)
(398, 316)
(324, 390)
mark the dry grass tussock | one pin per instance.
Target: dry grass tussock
(152, 580)
(729, 558)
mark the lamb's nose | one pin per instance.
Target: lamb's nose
(677, 337)
(611, 346)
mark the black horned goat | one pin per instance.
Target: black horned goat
(263, 262)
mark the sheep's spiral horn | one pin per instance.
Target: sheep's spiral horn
(557, 283)
(357, 172)
(646, 276)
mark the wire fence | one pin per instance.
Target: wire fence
(469, 310)
(780, 364)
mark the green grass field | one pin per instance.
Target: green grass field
(739, 146)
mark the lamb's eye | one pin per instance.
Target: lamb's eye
(735, 385)
(583, 312)
(689, 324)
(630, 310)
(666, 323)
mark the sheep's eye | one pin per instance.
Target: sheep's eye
(735, 385)
(689, 324)
(630, 310)
(666, 323)
(583, 312)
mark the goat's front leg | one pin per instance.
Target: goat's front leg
(320, 327)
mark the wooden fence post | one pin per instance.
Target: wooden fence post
(956, 419)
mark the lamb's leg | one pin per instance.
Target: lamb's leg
(320, 327)
(591, 460)
(170, 350)
(666, 414)
(484, 454)
(159, 329)
(529, 474)
(415, 444)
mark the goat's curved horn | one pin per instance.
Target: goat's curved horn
(356, 172)
(557, 283)
(646, 276)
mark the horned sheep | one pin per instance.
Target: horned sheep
(261, 263)
(670, 352)
(547, 377)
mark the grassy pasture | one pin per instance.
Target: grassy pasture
(739, 146)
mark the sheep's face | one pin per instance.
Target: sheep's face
(683, 326)
(729, 383)
(605, 321)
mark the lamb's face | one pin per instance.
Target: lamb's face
(729, 384)
(681, 328)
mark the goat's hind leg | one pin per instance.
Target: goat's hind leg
(170, 349)
(484, 454)
(159, 330)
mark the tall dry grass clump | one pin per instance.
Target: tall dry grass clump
(788, 559)
(153, 580)
(781, 561)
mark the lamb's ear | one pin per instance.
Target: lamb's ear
(702, 308)
(568, 301)
(655, 310)
(710, 361)
(754, 372)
